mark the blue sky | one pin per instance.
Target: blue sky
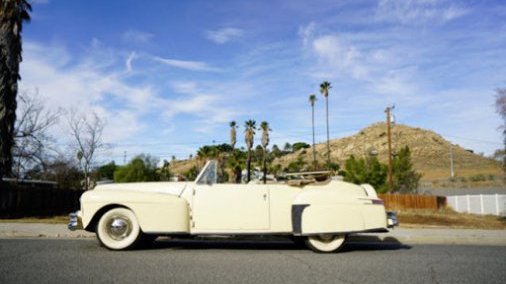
(168, 76)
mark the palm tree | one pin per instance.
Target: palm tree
(312, 100)
(231, 160)
(249, 135)
(13, 13)
(324, 89)
(264, 126)
(233, 134)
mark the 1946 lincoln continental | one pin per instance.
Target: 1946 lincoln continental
(320, 213)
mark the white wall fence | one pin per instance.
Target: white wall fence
(494, 204)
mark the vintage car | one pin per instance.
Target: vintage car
(321, 213)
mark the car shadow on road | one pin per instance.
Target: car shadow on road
(370, 242)
(354, 243)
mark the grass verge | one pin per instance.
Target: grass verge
(447, 218)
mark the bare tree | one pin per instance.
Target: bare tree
(87, 135)
(31, 138)
(500, 107)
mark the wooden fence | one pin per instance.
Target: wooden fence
(412, 201)
(31, 201)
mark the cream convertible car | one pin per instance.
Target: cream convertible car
(323, 214)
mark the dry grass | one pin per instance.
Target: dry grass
(448, 218)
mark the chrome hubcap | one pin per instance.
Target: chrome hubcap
(119, 227)
(326, 238)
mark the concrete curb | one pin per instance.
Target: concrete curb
(396, 236)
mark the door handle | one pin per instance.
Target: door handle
(265, 196)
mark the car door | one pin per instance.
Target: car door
(230, 208)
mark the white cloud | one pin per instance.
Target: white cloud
(188, 65)
(380, 69)
(307, 32)
(208, 104)
(224, 35)
(66, 82)
(137, 36)
(130, 59)
(345, 57)
(418, 11)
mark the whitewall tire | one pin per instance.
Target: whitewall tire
(118, 229)
(325, 243)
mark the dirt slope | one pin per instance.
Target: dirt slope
(430, 152)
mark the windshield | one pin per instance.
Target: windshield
(208, 175)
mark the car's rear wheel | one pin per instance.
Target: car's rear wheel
(325, 243)
(118, 229)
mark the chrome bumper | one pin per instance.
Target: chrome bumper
(392, 219)
(73, 221)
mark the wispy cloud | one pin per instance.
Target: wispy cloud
(358, 59)
(137, 36)
(224, 35)
(419, 11)
(211, 107)
(130, 59)
(78, 83)
(185, 64)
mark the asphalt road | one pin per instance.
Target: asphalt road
(83, 261)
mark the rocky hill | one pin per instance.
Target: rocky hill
(430, 152)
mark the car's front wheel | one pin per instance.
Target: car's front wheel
(118, 229)
(325, 243)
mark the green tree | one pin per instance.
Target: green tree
(236, 163)
(192, 173)
(312, 100)
(297, 165)
(324, 89)
(13, 13)
(287, 148)
(276, 152)
(264, 126)
(106, 171)
(140, 168)
(249, 135)
(164, 171)
(299, 145)
(406, 179)
(368, 170)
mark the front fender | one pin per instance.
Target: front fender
(156, 212)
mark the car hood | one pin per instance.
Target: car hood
(174, 188)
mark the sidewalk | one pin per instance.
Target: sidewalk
(40, 230)
(398, 235)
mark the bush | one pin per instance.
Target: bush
(140, 168)
(369, 171)
(478, 177)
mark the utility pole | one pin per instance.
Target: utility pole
(390, 167)
(124, 157)
(452, 172)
